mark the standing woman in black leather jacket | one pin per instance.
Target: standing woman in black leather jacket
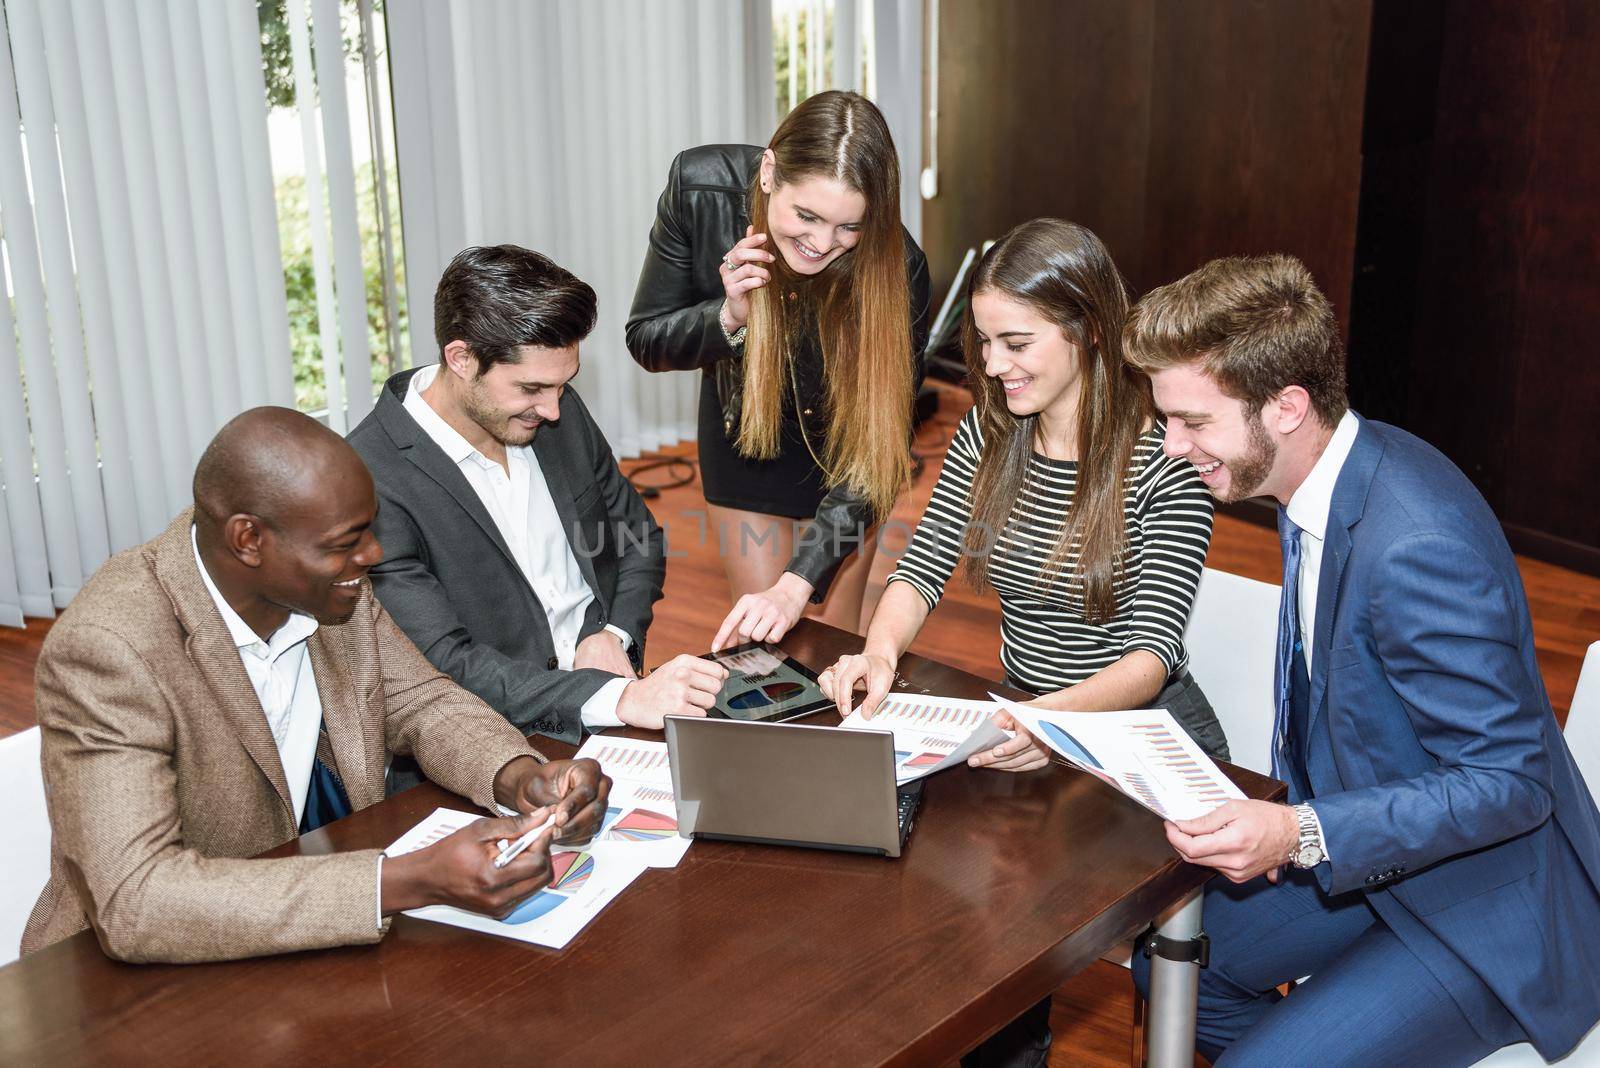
(786, 276)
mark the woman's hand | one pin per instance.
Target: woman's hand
(1021, 753)
(742, 272)
(862, 669)
(765, 616)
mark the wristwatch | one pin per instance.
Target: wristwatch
(1308, 851)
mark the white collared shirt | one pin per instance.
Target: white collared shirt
(280, 673)
(518, 499)
(1308, 510)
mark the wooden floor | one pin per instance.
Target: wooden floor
(1092, 1013)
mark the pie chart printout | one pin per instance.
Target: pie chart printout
(641, 825)
(570, 871)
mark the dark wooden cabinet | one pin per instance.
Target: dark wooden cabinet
(1436, 164)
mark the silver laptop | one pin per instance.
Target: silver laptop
(789, 784)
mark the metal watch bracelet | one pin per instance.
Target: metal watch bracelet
(736, 339)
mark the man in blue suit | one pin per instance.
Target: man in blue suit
(1436, 869)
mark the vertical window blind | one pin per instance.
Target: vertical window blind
(143, 267)
(551, 125)
(146, 249)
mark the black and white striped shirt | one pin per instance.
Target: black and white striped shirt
(1045, 643)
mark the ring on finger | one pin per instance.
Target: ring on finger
(728, 263)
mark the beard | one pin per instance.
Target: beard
(1248, 472)
(496, 423)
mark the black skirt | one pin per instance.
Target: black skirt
(791, 484)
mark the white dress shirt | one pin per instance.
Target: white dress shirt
(518, 499)
(1308, 510)
(280, 672)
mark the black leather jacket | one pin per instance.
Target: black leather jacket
(673, 324)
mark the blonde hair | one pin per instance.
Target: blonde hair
(860, 303)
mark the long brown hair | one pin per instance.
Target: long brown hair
(1063, 272)
(860, 303)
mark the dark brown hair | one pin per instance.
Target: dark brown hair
(500, 298)
(1258, 324)
(860, 302)
(1063, 272)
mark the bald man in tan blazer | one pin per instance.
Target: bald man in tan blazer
(162, 774)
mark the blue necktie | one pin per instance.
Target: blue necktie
(1288, 636)
(326, 799)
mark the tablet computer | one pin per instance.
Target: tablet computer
(765, 684)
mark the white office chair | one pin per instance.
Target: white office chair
(1232, 640)
(24, 837)
(1583, 720)
(1583, 738)
(1233, 644)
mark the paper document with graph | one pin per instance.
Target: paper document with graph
(584, 880)
(1143, 753)
(641, 812)
(930, 733)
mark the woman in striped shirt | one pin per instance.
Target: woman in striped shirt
(1055, 492)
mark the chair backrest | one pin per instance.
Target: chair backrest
(1583, 738)
(24, 837)
(1583, 721)
(1233, 642)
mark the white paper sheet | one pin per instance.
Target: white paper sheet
(930, 733)
(586, 879)
(1142, 753)
(641, 814)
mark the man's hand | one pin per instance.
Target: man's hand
(576, 788)
(460, 871)
(868, 670)
(683, 686)
(765, 616)
(603, 651)
(1240, 839)
(1021, 753)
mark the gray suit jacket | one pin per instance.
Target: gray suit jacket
(450, 581)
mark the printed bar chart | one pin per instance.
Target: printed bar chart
(626, 760)
(1143, 753)
(929, 712)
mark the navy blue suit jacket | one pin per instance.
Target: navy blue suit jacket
(1444, 787)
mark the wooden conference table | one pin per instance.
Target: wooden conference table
(742, 954)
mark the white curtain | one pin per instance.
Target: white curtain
(551, 124)
(142, 259)
(897, 53)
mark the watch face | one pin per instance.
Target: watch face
(1308, 857)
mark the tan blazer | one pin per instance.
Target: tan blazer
(161, 774)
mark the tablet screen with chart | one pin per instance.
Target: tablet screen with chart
(765, 683)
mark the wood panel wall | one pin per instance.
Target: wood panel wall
(1434, 162)
(1505, 376)
(1176, 131)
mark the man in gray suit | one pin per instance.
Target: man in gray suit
(517, 556)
